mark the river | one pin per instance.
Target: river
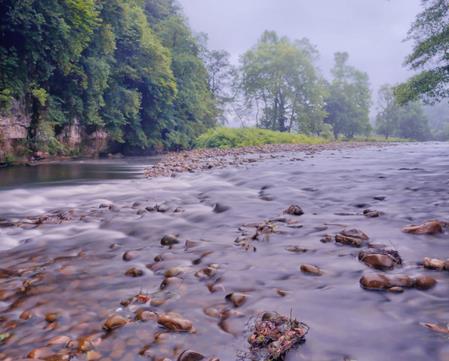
(71, 264)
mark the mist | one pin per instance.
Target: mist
(371, 31)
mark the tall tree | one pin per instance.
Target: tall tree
(280, 79)
(349, 99)
(430, 33)
(404, 121)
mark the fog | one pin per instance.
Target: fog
(372, 31)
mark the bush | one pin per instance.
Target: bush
(243, 137)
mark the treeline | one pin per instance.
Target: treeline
(134, 71)
(131, 68)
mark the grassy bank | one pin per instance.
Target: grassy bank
(243, 137)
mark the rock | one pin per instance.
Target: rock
(351, 237)
(59, 340)
(93, 355)
(40, 353)
(51, 317)
(294, 210)
(169, 240)
(380, 259)
(26, 315)
(403, 281)
(145, 315)
(424, 282)
(236, 298)
(162, 208)
(134, 272)
(175, 322)
(311, 270)
(434, 264)
(327, 238)
(206, 273)
(375, 282)
(220, 208)
(429, 227)
(130, 255)
(173, 272)
(396, 289)
(190, 355)
(437, 328)
(379, 198)
(372, 213)
(296, 249)
(114, 322)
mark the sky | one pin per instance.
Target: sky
(371, 31)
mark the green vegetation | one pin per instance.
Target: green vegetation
(430, 32)
(130, 68)
(243, 137)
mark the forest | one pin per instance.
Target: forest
(131, 76)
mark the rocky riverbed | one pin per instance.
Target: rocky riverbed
(329, 252)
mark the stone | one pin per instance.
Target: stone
(169, 240)
(424, 282)
(175, 322)
(370, 213)
(380, 259)
(311, 270)
(51, 317)
(351, 237)
(115, 321)
(236, 298)
(134, 272)
(145, 315)
(189, 355)
(294, 210)
(429, 227)
(130, 255)
(434, 264)
(59, 340)
(375, 282)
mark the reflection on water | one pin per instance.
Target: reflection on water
(76, 269)
(73, 172)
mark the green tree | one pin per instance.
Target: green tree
(349, 99)
(280, 79)
(404, 121)
(430, 33)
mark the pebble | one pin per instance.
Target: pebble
(311, 270)
(175, 322)
(190, 355)
(294, 210)
(134, 272)
(236, 298)
(429, 227)
(424, 282)
(169, 240)
(114, 322)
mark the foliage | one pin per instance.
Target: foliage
(438, 116)
(279, 78)
(404, 121)
(348, 100)
(430, 33)
(242, 137)
(130, 67)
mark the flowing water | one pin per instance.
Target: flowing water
(74, 266)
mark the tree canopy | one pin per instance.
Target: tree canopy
(430, 33)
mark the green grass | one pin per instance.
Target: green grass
(243, 137)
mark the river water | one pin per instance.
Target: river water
(71, 263)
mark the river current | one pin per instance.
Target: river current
(75, 267)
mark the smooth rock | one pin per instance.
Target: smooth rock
(169, 240)
(375, 282)
(311, 270)
(114, 322)
(190, 355)
(175, 322)
(434, 264)
(429, 227)
(424, 282)
(236, 298)
(134, 272)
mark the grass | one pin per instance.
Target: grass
(243, 137)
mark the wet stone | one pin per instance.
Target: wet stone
(311, 270)
(169, 240)
(114, 322)
(424, 282)
(134, 272)
(375, 282)
(190, 355)
(429, 228)
(351, 237)
(370, 213)
(380, 259)
(294, 210)
(236, 298)
(175, 322)
(435, 264)
(130, 255)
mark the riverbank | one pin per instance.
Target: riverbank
(102, 267)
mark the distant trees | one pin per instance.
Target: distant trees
(430, 32)
(280, 80)
(404, 121)
(349, 99)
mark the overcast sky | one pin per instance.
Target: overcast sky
(372, 31)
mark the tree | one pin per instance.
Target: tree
(404, 121)
(430, 33)
(349, 99)
(280, 79)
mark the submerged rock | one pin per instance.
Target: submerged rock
(189, 355)
(436, 264)
(236, 298)
(351, 237)
(294, 210)
(396, 283)
(115, 321)
(429, 227)
(169, 240)
(175, 322)
(370, 213)
(424, 282)
(310, 270)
